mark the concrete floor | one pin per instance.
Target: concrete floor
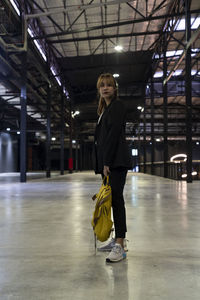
(47, 246)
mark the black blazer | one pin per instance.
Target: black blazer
(111, 148)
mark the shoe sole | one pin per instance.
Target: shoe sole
(108, 250)
(113, 261)
(104, 250)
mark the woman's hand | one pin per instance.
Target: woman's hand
(106, 171)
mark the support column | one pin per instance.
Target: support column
(23, 120)
(62, 127)
(139, 149)
(188, 93)
(76, 154)
(70, 140)
(80, 155)
(165, 113)
(144, 137)
(48, 141)
(152, 126)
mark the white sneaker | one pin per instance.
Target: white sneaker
(116, 254)
(108, 247)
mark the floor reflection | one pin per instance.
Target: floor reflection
(118, 280)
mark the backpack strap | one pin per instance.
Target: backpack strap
(106, 180)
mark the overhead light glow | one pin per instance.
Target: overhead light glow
(15, 7)
(115, 75)
(194, 173)
(184, 175)
(195, 22)
(134, 152)
(30, 32)
(193, 72)
(175, 160)
(181, 24)
(56, 76)
(118, 48)
(18, 132)
(158, 74)
(73, 142)
(176, 53)
(75, 113)
(40, 49)
(177, 72)
(8, 129)
(53, 139)
(66, 92)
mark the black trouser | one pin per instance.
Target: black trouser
(117, 182)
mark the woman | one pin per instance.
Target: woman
(112, 156)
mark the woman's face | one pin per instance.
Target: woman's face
(106, 89)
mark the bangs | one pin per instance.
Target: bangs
(108, 78)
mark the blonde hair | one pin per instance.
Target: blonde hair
(111, 80)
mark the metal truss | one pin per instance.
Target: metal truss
(104, 26)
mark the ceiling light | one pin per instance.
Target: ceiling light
(8, 129)
(73, 142)
(40, 49)
(18, 132)
(194, 173)
(181, 24)
(175, 160)
(193, 72)
(184, 175)
(177, 72)
(15, 7)
(158, 74)
(118, 48)
(139, 107)
(115, 75)
(197, 143)
(75, 113)
(53, 138)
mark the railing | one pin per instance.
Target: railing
(175, 171)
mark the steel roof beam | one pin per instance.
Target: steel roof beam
(104, 37)
(114, 24)
(136, 10)
(160, 6)
(192, 40)
(75, 8)
(50, 18)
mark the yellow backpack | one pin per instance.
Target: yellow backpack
(101, 221)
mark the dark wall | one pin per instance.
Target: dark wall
(8, 153)
(174, 147)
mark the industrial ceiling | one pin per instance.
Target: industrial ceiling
(71, 42)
